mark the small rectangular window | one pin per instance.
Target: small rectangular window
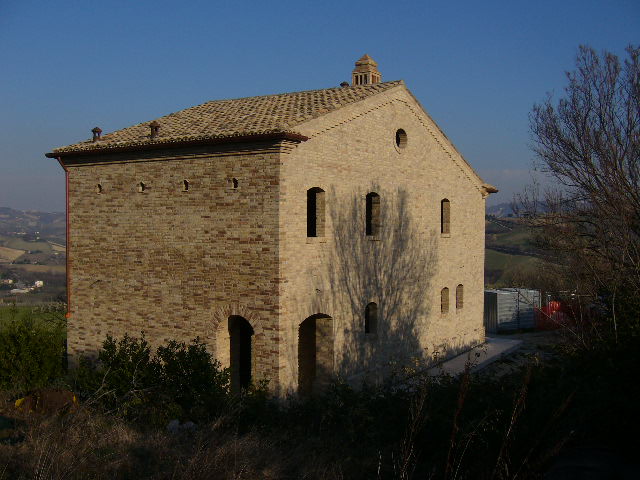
(315, 212)
(459, 296)
(444, 300)
(445, 216)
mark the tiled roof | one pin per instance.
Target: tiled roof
(234, 118)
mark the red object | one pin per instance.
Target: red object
(550, 316)
(554, 306)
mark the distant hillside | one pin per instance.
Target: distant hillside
(32, 248)
(500, 210)
(510, 251)
(32, 238)
(31, 225)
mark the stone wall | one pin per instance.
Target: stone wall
(175, 262)
(350, 153)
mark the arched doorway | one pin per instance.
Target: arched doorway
(315, 353)
(240, 352)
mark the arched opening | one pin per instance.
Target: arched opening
(315, 212)
(371, 318)
(401, 138)
(459, 297)
(141, 187)
(240, 352)
(315, 353)
(445, 216)
(373, 214)
(444, 300)
(185, 185)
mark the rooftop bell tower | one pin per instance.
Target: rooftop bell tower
(366, 72)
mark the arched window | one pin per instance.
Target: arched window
(459, 296)
(445, 216)
(401, 138)
(444, 300)
(315, 212)
(141, 187)
(373, 214)
(371, 318)
(98, 188)
(185, 185)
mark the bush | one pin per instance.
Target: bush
(32, 350)
(191, 378)
(178, 381)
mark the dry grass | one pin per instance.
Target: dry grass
(59, 269)
(85, 444)
(57, 247)
(9, 254)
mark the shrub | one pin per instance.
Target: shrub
(178, 381)
(32, 350)
(192, 379)
(123, 377)
(129, 365)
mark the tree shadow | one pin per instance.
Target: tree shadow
(392, 267)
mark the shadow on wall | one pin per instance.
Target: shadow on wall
(378, 276)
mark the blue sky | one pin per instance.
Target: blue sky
(477, 67)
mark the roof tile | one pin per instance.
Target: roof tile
(237, 117)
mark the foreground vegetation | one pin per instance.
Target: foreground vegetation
(412, 427)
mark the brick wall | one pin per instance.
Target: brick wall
(174, 263)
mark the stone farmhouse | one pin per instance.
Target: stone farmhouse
(301, 236)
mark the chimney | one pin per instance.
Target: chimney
(366, 72)
(97, 131)
(155, 128)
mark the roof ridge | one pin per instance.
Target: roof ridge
(234, 117)
(296, 92)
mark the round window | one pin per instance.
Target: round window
(401, 138)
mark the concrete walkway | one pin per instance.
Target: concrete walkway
(479, 357)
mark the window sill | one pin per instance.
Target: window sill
(316, 239)
(373, 238)
(445, 235)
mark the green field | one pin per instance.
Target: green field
(53, 269)
(501, 269)
(20, 244)
(511, 255)
(510, 235)
(11, 312)
(504, 261)
(50, 314)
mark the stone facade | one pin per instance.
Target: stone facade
(171, 262)
(351, 152)
(212, 239)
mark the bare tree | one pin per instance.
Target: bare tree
(589, 143)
